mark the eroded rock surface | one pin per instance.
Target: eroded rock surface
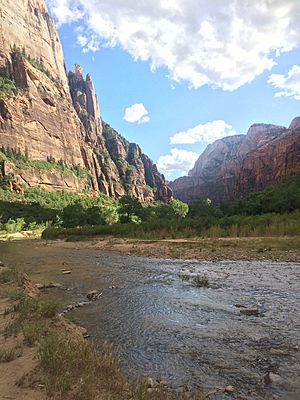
(235, 166)
(57, 116)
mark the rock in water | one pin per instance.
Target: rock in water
(272, 378)
(93, 295)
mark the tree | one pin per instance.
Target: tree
(130, 208)
(179, 208)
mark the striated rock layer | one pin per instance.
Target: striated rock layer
(52, 115)
(235, 166)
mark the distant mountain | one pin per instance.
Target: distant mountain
(234, 166)
(47, 114)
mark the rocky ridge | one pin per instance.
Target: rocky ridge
(49, 114)
(234, 166)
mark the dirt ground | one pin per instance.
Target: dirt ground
(209, 249)
(12, 373)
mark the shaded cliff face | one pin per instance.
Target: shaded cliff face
(49, 114)
(235, 166)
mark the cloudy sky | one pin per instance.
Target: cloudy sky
(175, 75)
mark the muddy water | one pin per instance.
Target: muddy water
(167, 328)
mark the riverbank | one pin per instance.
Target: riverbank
(284, 248)
(43, 355)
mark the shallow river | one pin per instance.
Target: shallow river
(166, 327)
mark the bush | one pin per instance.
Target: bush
(7, 86)
(200, 281)
(13, 226)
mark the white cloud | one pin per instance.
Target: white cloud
(289, 85)
(207, 133)
(177, 161)
(222, 43)
(64, 12)
(136, 113)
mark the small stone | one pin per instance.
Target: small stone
(50, 285)
(150, 382)
(229, 389)
(93, 295)
(1, 264)
(272, 378)
(248, 310)
(67, 272)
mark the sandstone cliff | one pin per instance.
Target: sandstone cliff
(235, 166)
(46, 114)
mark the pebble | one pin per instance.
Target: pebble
(272, 378)
(229, 389)
(50, 285)
(247, 310)
(150, 383)
(67, 272)
(93, 295)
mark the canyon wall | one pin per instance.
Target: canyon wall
(234, 166)
(47, 114)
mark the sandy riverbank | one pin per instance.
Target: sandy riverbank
(209, 249)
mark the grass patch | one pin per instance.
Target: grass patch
(76, 370)
(16, 295)
(184, 277)
(7, 276)
(10, 353)
(32, 315)
(200, 281)
(33, 331)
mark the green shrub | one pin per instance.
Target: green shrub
(200, 281)
(7, 86)
(13, 226)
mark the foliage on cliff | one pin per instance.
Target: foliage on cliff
(274, 211)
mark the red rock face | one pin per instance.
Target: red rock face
(235, 166)
(56, 116)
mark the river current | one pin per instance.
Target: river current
(165, 327)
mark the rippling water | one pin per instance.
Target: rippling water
(169, 329)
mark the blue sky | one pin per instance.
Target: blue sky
(185, 77)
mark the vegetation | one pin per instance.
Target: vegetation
(22, 161)
(272, 212)
(7, 86)
(265, 225)
(200, 281)
(10, 353)
(32, 317)
(35, 62)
